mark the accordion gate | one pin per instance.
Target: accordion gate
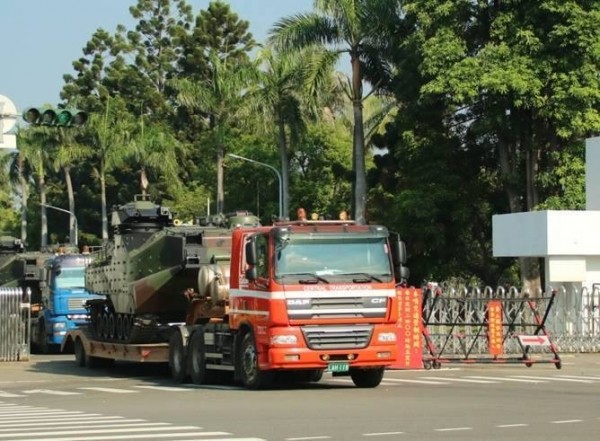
(14, 324)
(488, 326)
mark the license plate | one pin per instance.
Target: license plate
(338, 366)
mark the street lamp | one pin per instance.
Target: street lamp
(65, 211)
(276, 172)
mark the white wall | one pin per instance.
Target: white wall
(592, 173)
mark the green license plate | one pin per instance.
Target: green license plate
(338, 366)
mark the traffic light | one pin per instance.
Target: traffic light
(55, 117)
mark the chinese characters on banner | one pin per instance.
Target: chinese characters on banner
(409, 329)
(495, 327)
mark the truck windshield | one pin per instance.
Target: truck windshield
(71, 277)
(356, 258)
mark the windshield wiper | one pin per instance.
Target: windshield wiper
(315, 279)
(366, 277)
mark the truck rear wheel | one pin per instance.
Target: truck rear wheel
(197, 357)
(252, 377)
(177, 358)
(367, 377)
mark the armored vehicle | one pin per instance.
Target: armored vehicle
(153, 267)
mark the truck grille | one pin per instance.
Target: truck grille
(337, 307)
(337, 337)
(76, 303)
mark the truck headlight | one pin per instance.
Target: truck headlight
(59, 325)
(284, 339)
(386, 337)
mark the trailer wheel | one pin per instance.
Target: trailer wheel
(177, 358)
(197, 357)
(367, 377)
(252, 377)
(80, 355)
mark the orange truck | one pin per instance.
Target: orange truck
(294, 298)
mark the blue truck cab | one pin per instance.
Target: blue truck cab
(62, 298)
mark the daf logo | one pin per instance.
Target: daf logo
(378, 300)
(298, 302)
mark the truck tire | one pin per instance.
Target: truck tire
(41, 338)
(80, 355)
(197, 357)
(177, 358)
(367, 377)
(252, 377)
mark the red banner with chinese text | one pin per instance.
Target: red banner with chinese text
(409, 327)
(494, 312)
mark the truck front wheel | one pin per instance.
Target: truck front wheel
(42, 338)
(80, 355)
(367, 377)
(252, 377)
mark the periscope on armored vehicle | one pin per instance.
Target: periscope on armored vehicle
(227, 295)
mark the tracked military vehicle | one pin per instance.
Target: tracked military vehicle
(153, 267)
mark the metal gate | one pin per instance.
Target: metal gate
(15, 314)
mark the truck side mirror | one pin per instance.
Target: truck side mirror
(398, 250)
(252, 273)
(251, 252)
(402, 274)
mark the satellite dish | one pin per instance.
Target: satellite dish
(8, 114)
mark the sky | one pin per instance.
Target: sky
(42, 38)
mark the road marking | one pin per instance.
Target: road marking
(461, 380)
(398, 380)
(579, 377)
(383, 434)
(34, 415)
(226, 439)
(69, 422)
(9, 395)
(50, 392)
(506, 426)
(573, 380)
(566, 421)
(308, 438)
(141, 436)
(450, 429)
(166, 388)
(120, 424)
(518, 380)
(110, 390)
(102, 431)
(58, 418)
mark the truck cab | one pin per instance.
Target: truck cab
(316, 296)
(62, 303)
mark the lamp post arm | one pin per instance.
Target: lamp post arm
(272, 168)
(68, 212)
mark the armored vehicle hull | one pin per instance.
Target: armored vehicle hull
(150, 271)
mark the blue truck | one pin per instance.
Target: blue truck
(56, 281)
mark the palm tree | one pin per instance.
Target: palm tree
(108, 137)
(67, 153)
(289, 87)
(344, 26)
(19, 174)
(219, 98)
(154, 148)
(31, 161)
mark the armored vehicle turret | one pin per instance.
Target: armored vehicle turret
(153, 267)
